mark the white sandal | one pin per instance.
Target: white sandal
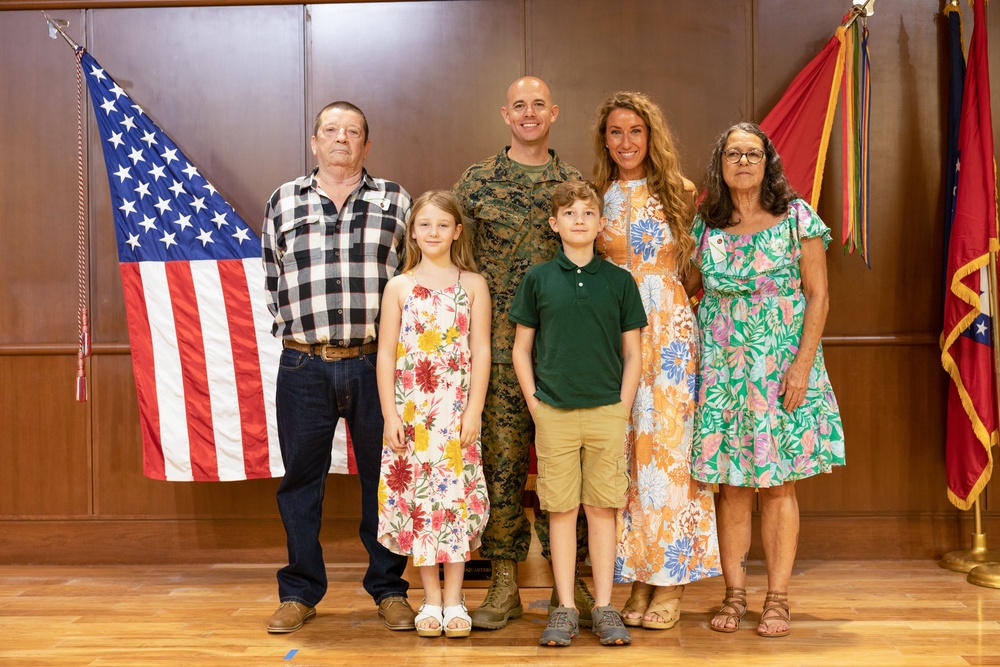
(429, 611)
(457, 611)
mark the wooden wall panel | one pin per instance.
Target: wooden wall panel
(890, 399)
(226, 84)
(45, 467)
(430, 76)
(654, 47)
(38, 181)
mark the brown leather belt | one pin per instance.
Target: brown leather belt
(328, 352)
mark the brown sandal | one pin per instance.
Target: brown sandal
(775, 611)
(637, 603)
(733, 609)
(666, 605)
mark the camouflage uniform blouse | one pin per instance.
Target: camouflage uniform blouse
(511, 219)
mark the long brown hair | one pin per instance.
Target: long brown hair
(461, 248)
(663, 167)
(716, 209)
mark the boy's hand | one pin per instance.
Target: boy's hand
(392, 434)
(471, 424)
(532, 402)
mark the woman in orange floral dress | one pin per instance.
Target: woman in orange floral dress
(667, 532)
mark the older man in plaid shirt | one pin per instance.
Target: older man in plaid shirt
(330, 244)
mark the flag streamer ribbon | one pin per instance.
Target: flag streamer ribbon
(855, 124)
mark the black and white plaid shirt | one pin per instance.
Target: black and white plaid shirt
(325, 269)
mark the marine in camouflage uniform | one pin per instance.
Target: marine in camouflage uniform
(511, 210)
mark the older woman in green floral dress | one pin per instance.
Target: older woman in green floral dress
(767, 415)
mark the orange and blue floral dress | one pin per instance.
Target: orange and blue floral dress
(432, 497)
(666, 531)
(751, 322)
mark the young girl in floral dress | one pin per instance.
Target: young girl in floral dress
(433, 369)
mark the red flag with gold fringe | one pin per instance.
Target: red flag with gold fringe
(966, 350)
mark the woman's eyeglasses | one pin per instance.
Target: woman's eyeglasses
(733, 156)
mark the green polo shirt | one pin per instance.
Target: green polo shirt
(579, 314)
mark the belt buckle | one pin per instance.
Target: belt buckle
(331, 353)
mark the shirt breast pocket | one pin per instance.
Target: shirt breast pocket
(499, 231)
(302, 240)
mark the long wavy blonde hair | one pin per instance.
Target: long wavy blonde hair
(663, 167)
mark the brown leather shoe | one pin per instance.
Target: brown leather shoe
(396, 613)
(290, 617)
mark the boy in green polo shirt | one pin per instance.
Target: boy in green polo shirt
(585, 314)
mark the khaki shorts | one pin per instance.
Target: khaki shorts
(581, 457)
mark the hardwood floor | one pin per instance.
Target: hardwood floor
(844, 613)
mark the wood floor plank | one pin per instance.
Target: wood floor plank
(909, 613)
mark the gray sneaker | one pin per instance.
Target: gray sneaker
(609, 628)
(564, 623)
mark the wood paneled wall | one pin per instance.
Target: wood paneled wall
(237, 88)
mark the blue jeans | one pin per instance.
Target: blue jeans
(312, 395)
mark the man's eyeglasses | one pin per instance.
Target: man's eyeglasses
(733, 156)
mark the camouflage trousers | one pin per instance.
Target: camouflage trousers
(507, 434)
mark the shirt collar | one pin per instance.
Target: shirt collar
(591, 267)
(309, 182)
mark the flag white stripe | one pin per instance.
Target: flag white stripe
(167, 369)
(269, 355)
(225, 403)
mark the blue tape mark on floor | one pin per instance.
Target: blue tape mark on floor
(291, 654)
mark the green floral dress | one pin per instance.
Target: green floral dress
(751, 322)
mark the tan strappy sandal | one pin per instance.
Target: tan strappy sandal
(637, 603)
(775, 610)
(733, 609)
(666, 605)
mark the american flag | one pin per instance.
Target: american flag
(204, 359)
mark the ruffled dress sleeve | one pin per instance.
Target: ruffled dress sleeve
(808, 223)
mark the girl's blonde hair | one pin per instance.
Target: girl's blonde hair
(461, 248)
(663, 167)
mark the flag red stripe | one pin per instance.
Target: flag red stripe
(191, 350)
(144, 370)
(246, 363)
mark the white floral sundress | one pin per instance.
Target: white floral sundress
(432, 498)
